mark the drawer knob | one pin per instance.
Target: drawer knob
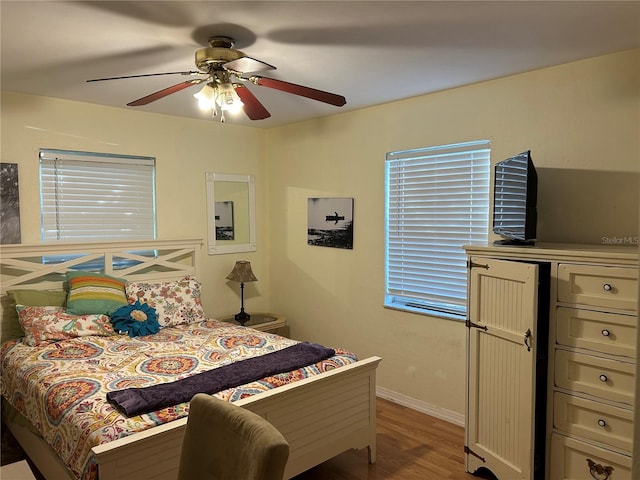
(603, 378)
(599, 472)
(602, 422)
(606, 333)
(607, 287)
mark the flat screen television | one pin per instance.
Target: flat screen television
(515, 198)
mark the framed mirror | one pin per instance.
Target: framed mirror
(231, 219)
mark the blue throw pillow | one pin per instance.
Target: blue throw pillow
(137, 319)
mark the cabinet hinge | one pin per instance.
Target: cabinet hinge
(470, 324)
(471, 264)
(468, 451)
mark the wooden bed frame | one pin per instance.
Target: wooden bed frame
(320, 417)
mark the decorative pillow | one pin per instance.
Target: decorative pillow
(10, 325)
(43, 325)
(91, 292)
(175, 302)
(10, 322)
(137, 319)
(39, 298)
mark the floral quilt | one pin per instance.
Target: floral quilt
(61, 387)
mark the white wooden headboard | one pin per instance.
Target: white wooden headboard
(24, 266)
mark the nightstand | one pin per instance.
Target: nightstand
(265, 322)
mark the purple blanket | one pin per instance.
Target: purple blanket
(136, 401)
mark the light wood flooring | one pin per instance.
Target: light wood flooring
(411, 446)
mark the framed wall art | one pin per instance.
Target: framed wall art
(330, 222)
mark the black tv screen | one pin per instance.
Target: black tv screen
(515, 198)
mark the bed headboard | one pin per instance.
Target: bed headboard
(30, 266)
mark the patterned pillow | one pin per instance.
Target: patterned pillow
(91, 292)
(11, 324)
(43, 325)
(175, 302)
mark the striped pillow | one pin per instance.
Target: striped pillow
(91, 292)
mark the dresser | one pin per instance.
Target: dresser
(595, 354)
(592, 306)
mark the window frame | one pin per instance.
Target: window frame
(401, 289)
(51, 209)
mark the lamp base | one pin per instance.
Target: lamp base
(242, 317)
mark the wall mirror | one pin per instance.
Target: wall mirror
(231, 218)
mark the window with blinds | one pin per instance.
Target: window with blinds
(437, 200)
(93, 196)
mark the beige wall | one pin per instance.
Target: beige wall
(581, 122)
(184, 150)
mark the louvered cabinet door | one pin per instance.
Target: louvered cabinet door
(501, 367)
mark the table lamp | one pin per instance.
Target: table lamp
(242, 273)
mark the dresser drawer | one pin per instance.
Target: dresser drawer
(570, 461)
(608, 287)
(608, 379)
(599, 331)
(593, 420)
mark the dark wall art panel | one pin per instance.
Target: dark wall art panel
(9, 204)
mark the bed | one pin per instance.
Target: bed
(322, 410)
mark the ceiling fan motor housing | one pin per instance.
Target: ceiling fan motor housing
(220, 52)
(209, 57)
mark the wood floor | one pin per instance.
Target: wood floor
(411, 446)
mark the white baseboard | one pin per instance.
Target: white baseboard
(409, 402)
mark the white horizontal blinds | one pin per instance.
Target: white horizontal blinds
(89, 196)
(437, 201)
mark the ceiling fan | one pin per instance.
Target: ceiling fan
(224, 66)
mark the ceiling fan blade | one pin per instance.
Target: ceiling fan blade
(321, 96)
(163, 93)
(252, 106)
(145, 75)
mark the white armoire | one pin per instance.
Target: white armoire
(551, 361)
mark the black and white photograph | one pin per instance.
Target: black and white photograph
(224, 221)
(330, 222)
(9, 204)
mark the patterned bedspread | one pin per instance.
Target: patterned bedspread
(61, 388)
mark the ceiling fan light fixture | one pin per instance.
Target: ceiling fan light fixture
(206, 97)
(227, 99)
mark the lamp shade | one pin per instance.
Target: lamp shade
(242, 272)
(206, 97)
(228, 99)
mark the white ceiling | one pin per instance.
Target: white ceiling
(371, 52)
